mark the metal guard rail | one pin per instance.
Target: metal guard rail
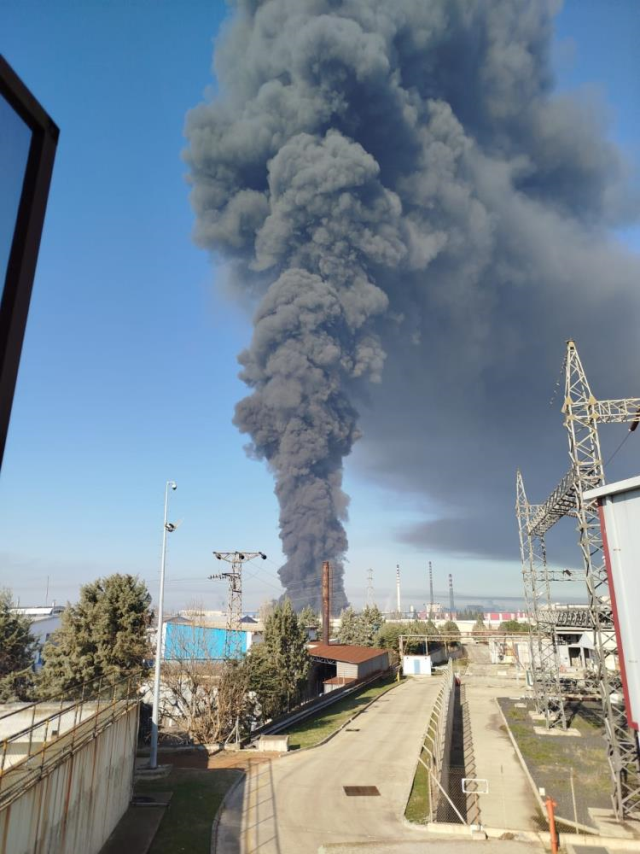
(50, 739)
(314, 706)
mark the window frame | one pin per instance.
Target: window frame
(23, 256)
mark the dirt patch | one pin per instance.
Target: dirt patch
(200, 759)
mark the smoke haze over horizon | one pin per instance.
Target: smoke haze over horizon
(421, 223)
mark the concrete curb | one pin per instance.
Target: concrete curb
(216, 818)
(591, 831)
(542, 836)
(342, 726)
(243, 774)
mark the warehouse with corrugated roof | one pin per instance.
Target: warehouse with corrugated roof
(341, 664)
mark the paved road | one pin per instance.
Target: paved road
(297, 803)
(510, 802)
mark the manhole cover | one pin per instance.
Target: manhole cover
(361, 791)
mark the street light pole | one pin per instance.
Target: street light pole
(166, 528)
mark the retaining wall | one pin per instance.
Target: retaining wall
(75, 807)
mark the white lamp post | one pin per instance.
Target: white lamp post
(167, 527)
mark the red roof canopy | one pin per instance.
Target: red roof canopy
(345, 652)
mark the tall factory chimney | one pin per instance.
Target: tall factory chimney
(398, 605)
(430, 591)
(452, 606)
(326, 600)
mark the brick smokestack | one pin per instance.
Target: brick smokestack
(326, 600)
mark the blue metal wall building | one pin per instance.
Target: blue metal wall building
(182, 640)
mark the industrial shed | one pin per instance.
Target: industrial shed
(342, 663)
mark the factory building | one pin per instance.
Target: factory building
(341, 664)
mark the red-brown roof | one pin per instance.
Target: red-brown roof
(345, 652)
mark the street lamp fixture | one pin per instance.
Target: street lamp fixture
(167, 528)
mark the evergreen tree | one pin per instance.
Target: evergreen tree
(350, 627)
(103, 635)
(360, 629)
(17, 647)
(373, 621)
(279, 666)
(308, 618)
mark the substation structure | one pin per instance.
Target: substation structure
(582, 415)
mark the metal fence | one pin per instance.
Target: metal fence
(437, 744)
(39, 736)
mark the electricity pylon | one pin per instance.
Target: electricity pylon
(543, 651)
(370, 598)
(582, 414)
(233, 638)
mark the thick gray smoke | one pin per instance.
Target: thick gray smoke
(423, 224)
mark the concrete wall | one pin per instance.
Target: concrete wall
(74, 808)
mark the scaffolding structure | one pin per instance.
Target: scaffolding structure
(232, 637)
(582, 414)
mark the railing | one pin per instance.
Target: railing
(436, 741)
(314, 706)
(34, 750)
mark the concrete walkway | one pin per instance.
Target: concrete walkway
(510, 803)
(297, 803)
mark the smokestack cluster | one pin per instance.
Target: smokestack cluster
(419, 222)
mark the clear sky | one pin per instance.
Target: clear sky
(128, 375)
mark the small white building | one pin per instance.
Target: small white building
(416, 665)
(45, 619)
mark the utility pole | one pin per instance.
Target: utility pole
(452, 606)
(326, 601)
(398, 604)
(167, 528)
(233, 638)
(370, 601)
(431, 602)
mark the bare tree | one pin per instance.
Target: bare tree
(204, 696)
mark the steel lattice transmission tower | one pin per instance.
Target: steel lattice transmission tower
(582, 414)
(370, 596)
(543, 652)
(233, 638)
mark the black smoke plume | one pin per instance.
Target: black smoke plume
(422, 223)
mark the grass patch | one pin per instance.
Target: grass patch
(418, 805)
(551, 758)
(186, 823)
(312, 731)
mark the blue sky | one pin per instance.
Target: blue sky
(128, 376)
